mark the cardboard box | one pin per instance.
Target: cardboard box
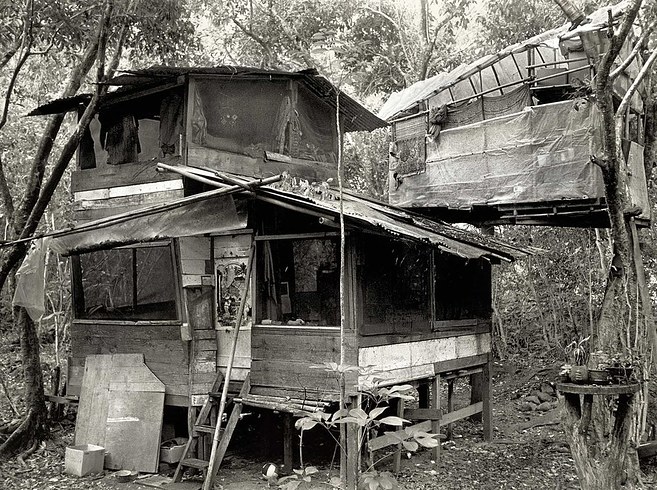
(171, 451)
(84, 459)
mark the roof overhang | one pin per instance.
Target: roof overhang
(139, 83)
(213, 212)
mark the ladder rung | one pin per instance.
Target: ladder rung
(217, 395)
(201, 464)
(206, 429)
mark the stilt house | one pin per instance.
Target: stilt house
(163, 260)
(508, 138)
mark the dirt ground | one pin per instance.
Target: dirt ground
(528, 450)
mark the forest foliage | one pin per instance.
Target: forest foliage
(371, 49)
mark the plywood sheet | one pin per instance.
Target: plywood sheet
(132, 430)
(121, 406)
(94, 395)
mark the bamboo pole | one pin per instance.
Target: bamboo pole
(212, 468)
(146, 211)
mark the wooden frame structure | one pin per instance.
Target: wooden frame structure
(507, 138)
(184, 223)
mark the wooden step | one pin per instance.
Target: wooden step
(205, 428)
(200, 464)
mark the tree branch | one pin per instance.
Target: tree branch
(5, 194)
(400, 35)
(25, 46)
(291, 33)
(637, 47)
(40, 160)
(268, 52)
(617, 40)
(622, 107)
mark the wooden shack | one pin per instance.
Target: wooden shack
(508, 138)
(178, 196)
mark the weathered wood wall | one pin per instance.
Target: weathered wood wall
(282, 356)
(164, 352)
(261, 167)
(207, 264)
(113, 189)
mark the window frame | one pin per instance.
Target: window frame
(257, 298)
(78, 291)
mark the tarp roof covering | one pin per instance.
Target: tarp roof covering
(355, 116)
(492, 70)
(210, 213)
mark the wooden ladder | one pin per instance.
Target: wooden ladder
(222, 436)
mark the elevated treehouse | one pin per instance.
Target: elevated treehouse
(508, 138)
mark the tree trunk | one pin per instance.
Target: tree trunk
(602, 463)
(33, 427)
(602, 436)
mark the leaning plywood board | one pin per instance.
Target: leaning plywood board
(121, 405)
(92, 412)
(134, 421)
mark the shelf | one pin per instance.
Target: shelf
(589, 389)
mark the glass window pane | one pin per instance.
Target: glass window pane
(109, 290)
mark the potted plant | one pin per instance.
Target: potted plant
(599, 361)
(564, 373)
(577, 352)
(621, 368)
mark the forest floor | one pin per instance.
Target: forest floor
(528, 450)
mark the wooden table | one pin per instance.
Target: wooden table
(572, 392)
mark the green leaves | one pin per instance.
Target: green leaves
(299, 478)
(374, 480)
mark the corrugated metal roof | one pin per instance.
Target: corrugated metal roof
(355, 116)
(368, 213)
(410, 97)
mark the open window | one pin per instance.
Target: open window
(462, 289)
(395, 283)
(298, 282)
(132, 133)
(127, 283)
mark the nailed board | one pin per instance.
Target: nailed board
(121, 407)
(94, 395)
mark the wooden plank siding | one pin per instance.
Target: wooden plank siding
(113, 189)
(129, 174)
(246, 165)
(418, 360)
(442, 329)
(164, 353)
(282, 356)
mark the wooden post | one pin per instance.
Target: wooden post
(288, 445)
(212, 468)
(398, 453)
(476, 393)
(353, 450)
(487, 410)
(435, 402)
(450, 405)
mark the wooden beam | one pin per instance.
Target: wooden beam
(487, 407)
(288, 445)
(450, 406)
(389, 440)
(434, 425)
(298, 236)
(461, 413)
(462, 363)
(421, 414)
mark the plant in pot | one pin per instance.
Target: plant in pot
(621, 368)
(598, 363)
(577, 352)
